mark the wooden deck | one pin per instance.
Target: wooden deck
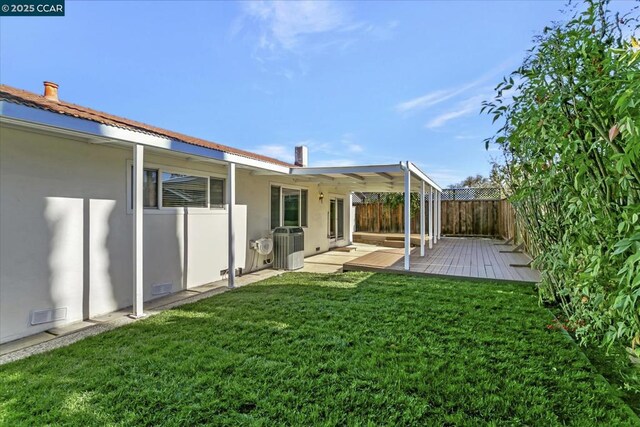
(453, 256)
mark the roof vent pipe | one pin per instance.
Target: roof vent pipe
(51, 91)
(302, 156)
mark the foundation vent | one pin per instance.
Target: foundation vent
(51, 315)
(161, 289)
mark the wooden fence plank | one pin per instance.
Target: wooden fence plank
(495, 218)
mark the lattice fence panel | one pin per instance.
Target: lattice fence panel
(472, 193)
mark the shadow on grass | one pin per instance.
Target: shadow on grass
(304, 349)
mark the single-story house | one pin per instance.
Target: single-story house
(99, 212)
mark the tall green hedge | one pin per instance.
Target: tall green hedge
(571, 145)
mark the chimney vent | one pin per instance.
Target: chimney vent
(51, 91)
(302, 156)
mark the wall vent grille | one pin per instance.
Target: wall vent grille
(161, 289)
(50, 315)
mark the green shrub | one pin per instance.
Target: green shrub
(571, 145)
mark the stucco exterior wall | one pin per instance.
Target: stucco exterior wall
(66, 234)
(254, 192)
(66, 228)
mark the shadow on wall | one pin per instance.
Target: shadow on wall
(80, 260)
(90, 264)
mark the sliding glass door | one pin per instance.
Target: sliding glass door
(335, 220)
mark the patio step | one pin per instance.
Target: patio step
(393, 243)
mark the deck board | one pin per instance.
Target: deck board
(457, 257)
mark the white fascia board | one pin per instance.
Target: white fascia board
(50, 121)
(423, 176)
(347, 169)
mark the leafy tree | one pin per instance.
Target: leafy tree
(571, 145)
(474, 181)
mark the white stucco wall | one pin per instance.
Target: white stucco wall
(66, 231)
(66, 235)
(254, 192)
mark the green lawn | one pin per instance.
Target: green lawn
(352, 349)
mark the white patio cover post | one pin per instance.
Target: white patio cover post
(407, 217)
(430, 217)
(352, 218)
(439, 217)
(138, 247)
(231, 201)
(421, 218)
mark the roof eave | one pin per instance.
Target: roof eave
(47, 120)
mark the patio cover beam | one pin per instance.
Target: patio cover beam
(355, 176)
(342, 170)
(385, 175)
(421, 175)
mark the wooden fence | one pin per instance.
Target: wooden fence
(495, 218)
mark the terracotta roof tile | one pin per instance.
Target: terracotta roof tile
(31, 99)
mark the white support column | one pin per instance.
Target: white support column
(422, 231)
(352, 218)
(439, 204)
(231, 201)
(431, 218)
(138, 215)
(407, 217)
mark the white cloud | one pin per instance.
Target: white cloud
(280, 29)
(285, 24)
(464, 136)
(463, 108)
(355, 148)
(280, 152)
(437, 96)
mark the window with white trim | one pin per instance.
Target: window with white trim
(289, 206)
(165, 188)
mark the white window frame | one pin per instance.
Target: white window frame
(174, 210)
(288, 187)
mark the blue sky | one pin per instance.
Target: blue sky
(359, 83)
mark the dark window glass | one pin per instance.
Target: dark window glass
(291, 202)
(275, 207)
(216, 192)
(340, 212)
(183, 190)
(149, 188)
(304, 196)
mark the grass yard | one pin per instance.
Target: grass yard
(300, 349)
